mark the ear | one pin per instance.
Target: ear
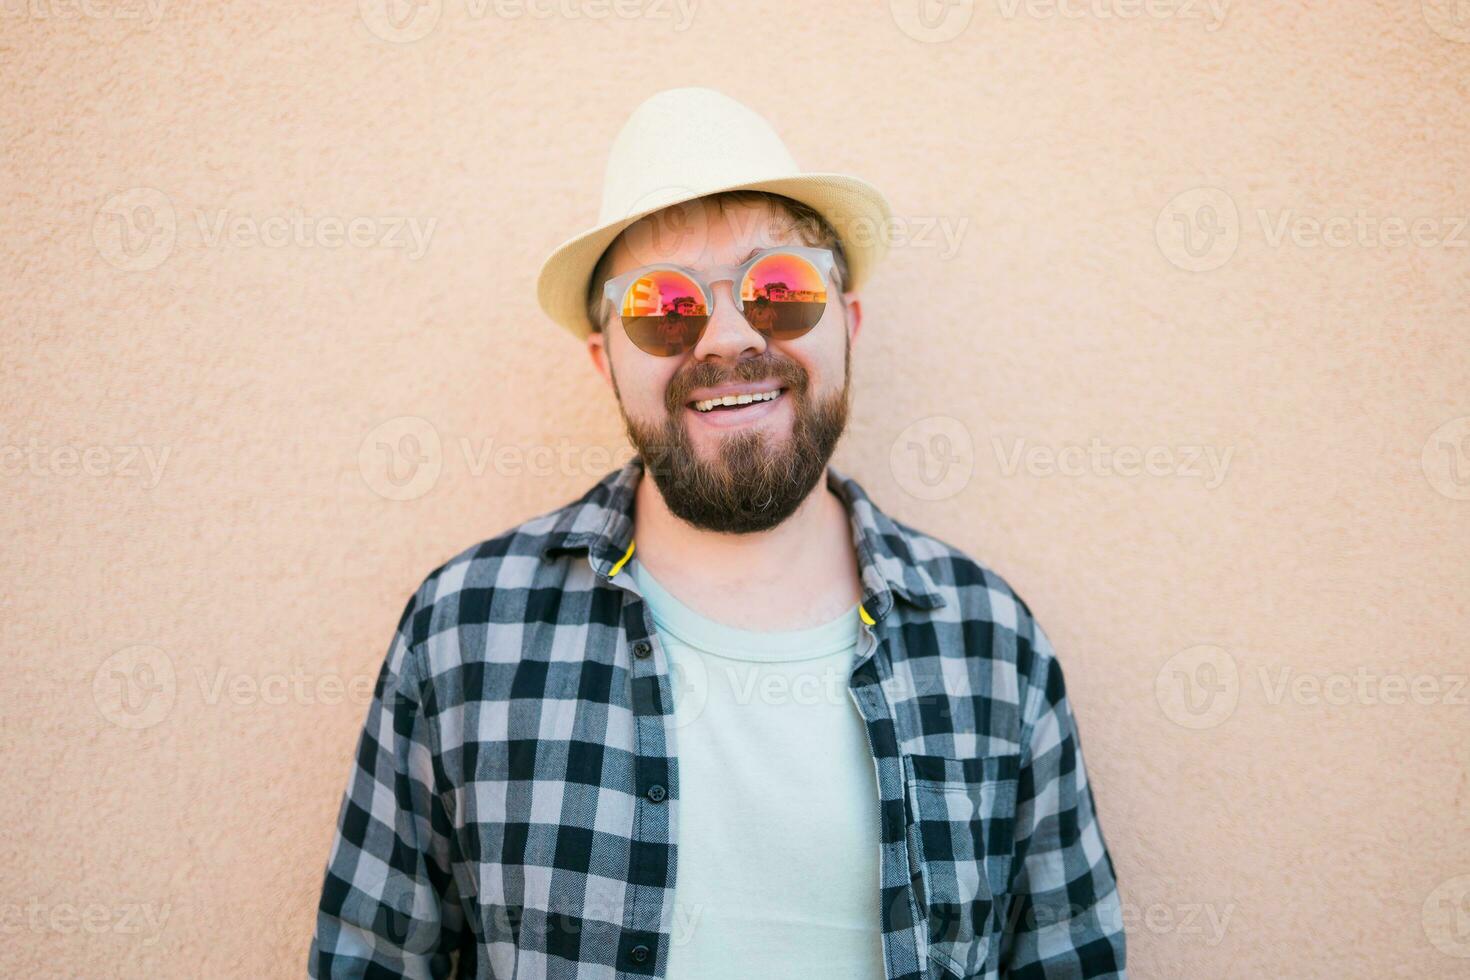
(854, 315)
(597, 350)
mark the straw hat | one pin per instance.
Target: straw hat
(685, 143)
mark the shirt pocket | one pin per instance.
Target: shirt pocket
(961, 837)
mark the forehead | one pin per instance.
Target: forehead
(702, 233)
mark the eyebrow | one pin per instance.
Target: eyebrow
(744, 259)
(741, 261)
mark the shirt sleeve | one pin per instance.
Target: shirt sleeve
(389, 905)
(1065, 917)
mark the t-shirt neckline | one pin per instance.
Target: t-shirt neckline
(734, 643)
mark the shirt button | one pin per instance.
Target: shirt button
(642, 649)
(638, 954)
(656, 793)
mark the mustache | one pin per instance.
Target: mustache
(705, 374)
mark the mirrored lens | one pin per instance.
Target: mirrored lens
(784, 295)
(664, 312)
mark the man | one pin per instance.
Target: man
(733, 720)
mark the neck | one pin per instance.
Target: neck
(748, 579)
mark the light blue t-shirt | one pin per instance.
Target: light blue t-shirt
(777, 872)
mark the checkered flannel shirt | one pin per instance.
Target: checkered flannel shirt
(513, 807)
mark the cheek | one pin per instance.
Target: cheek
(821, 355)
(643, 382)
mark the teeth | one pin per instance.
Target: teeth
(709, 403)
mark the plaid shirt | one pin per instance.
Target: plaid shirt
(513, 807)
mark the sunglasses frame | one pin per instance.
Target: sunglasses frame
(616, 288)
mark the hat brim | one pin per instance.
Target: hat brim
(857, 211)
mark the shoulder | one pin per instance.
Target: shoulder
(461, 589)
(996, 622)
(1009, 655)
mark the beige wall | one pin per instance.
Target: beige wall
(202, 520)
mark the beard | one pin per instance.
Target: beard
(753, 483)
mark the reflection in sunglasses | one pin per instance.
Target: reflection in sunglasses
(664, 311)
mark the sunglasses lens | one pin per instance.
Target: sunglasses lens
(784, 295)
(664, 312)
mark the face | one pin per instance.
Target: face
(741, 468)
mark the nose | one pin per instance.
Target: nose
(728, 335)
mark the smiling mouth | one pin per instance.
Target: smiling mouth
(730, 403)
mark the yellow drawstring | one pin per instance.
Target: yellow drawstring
(623, 560)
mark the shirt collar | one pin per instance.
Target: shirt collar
(600, 522)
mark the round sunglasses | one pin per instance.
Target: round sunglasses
(781, 292)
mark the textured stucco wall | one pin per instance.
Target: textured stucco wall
(201, 521)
